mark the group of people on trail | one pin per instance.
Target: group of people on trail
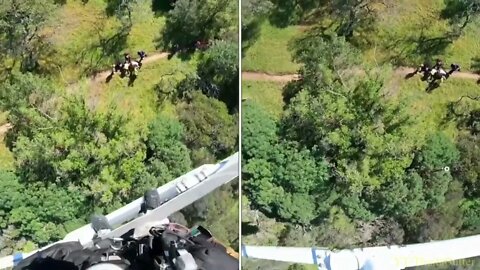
(129, 67)
(436, 72)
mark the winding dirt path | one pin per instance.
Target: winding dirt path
(102, 76)
(261, 76)
(246, 75)
(400, 71)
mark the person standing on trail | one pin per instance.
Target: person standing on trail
(438, 64)
(454, 67)
(142, 55)
(128, 58)
(423, 68)
(116, 68)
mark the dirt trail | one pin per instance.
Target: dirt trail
(98, 78)
(102, 76)
(260, 76)
(4, 128)
(246, 75)
(401, 71)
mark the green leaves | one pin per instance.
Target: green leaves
(91, 150)
(287, 182)
(218, 72)
(20, 25)
(168, 157)
(468, 169)
(193, 20)
(258, 131)
(208, 125)
(461, 12)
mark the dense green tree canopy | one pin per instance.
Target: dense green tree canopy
(94, 151)
(468, 169)
(41, 212)
(168, 157)
(461, 12)
(218, 72)
(193, 20)
(258, 131)
(364, 156)
(20, 25)
(208, 125)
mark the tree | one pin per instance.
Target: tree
(361, 134)
(327, 62)
(290, 184)
(167, 155)
(123, 10)
(254, 12)
(10, 196)
(353, 16)
(30, 101)
(48, 212)
(40, 212)
(440, 223)
(439, 152)
(95, 152)
(208, 124)
(461, 12)
(471, 215)
(218, 72)
(296, 266)
(288, 12)
(348, 122)
(258, 132)
(468, 169)
(20, 35)
(193, 20)
(336, 231)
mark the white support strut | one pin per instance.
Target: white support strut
(372, 258)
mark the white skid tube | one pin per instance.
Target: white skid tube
(374, 258)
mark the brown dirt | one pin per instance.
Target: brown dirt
(259, 76)
(4, 128)
(401, 71)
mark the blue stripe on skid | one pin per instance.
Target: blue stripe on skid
(314, 256)
(17, 257)
(244, 251)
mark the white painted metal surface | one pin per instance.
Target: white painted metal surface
(372, 258)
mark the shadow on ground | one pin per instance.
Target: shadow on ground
(249, 229)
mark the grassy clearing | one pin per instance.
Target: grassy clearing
(78, 40)
(401, 27)
(140, 100)
(270, 52)
(80, 51)
(430, 109)
(396, 39)
(267, 94)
